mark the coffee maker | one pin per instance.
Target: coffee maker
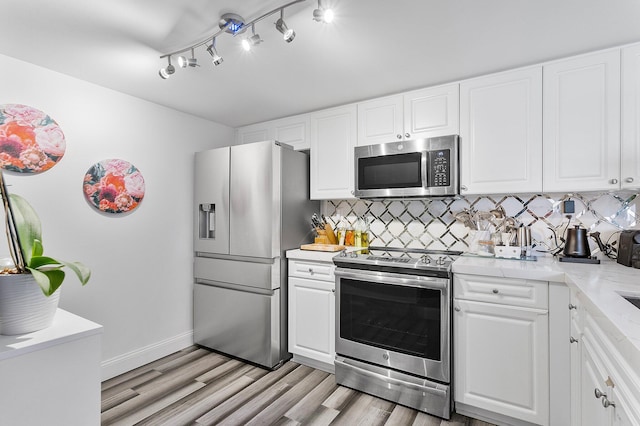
(629, 248)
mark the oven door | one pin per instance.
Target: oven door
(393, 320)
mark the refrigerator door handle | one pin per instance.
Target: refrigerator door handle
(237, 287)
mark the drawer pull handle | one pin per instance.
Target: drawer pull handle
(599, 394)
(311, 271)
(457, 309)
(573, 340)
(333, 290)
(495, 291)
(572, 306)
(606, 403)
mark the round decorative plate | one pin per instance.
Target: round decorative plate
(114, 186)
(30, 140)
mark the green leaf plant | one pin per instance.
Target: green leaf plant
(24, 235)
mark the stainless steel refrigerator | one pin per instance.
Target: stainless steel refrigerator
(251, 205)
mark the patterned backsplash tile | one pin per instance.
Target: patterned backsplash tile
(431, 223)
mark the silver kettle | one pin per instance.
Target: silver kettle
(577, 244)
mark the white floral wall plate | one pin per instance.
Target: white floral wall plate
(30, 140)
(114, 186)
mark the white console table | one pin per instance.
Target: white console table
(52, 376)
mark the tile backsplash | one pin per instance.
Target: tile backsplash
(430, 223)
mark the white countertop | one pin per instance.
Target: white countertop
(318, 256)
(66, 327)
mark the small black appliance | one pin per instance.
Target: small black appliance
(629, 248)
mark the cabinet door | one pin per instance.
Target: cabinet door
(333, 137)
(581, 123)
(501, 359)
(592, 377)
(293, 131)
(380, 120)
(312, 319)
(432, 112)
(254, 133)
(501, 133)
(630, 159)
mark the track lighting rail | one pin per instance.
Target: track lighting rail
(224, 29)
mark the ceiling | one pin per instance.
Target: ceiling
(373, 48)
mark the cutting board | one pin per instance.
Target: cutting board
(322, 247)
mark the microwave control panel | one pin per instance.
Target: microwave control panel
(439, 168)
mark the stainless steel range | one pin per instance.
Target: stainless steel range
(393, 325)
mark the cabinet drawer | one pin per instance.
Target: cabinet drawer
(313, 270)
(506, 291)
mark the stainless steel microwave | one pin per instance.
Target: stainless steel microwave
(416, 168)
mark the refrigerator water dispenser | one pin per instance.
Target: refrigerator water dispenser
(207, 221)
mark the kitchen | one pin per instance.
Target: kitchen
(141, 291)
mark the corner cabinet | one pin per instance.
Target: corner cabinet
(630, 159)
(333, 137)
(501, 355)
(605, 390)
(312, 313)
(581, 123)
(423, 113)
(501, 133)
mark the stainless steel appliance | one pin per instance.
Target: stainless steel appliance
(393, 326)
(251, 204)
(417, 168)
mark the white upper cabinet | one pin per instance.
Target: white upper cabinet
(292, 131)
(430, 112)
(380, 120)
(630, 159)
(501, 133)
(333, 137)
(418, 114)
(254, 133)
(581, 123)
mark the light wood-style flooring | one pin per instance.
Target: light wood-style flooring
(198, 387)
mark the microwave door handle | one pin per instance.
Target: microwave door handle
(425, 169)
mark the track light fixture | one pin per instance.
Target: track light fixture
(287, 33)
(234, 25)
(166, 72)
(322, 14)
(253, 40)
(188, 62)
(215, 58)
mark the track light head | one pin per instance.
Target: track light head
(253, 40)
(166, 72)
(322, 14)
(287, 33)
(215, 58)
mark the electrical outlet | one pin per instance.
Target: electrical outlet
(568, 207)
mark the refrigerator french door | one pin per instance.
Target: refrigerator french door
(243, 197)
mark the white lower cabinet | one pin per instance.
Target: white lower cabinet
(312, 313)
(605, 391)
(501, 349)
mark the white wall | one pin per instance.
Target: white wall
(141, 262)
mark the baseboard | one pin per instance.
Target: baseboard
(139, 357)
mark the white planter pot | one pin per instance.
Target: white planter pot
(23, 306)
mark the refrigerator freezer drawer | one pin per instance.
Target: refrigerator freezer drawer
(242, 324)
(240, 272)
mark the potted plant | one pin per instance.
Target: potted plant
(29, 287)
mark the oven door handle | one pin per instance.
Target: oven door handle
(390, 278)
